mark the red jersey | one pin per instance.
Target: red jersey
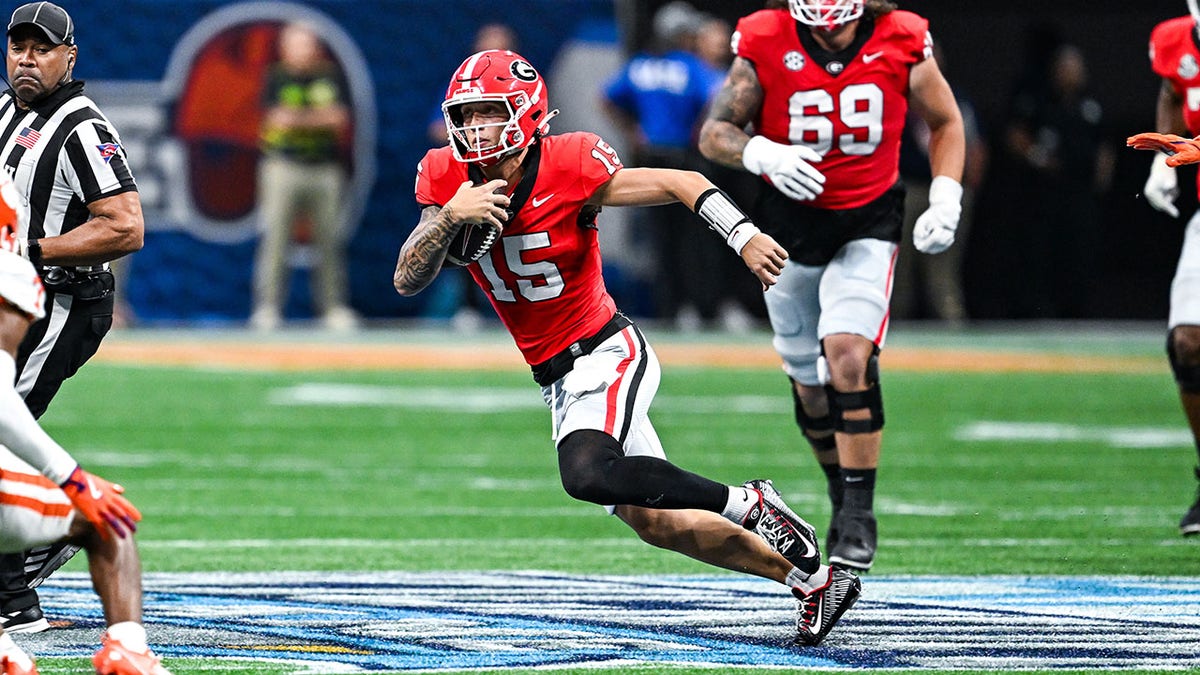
(849, 107)
(1175, 57)
(543, 276)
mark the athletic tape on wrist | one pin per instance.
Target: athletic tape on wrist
(724, 217)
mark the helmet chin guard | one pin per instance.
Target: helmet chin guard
(505, 78)
(828, 14)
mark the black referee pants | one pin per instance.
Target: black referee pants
(53, 350)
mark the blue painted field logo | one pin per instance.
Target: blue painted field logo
(351, 622)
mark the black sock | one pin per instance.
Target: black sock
(858, 488)
(833, 477)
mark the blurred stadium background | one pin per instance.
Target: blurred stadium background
(180, 78)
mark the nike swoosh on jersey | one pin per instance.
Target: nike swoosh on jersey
(538, 202)
(867, 58)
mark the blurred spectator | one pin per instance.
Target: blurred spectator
(658, 101)
(470, 307)
(932, 285)
(1055, 138)
(302, 176)
(489, 36)
(712, 42)
(743, 307)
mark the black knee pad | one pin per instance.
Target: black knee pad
(842, 401)
(808, 423)
(583, 459)
(1186, 376)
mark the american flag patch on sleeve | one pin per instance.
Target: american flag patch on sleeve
(28, 137)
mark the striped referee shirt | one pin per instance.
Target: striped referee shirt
(62, 154)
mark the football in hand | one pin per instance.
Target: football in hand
(471, 243)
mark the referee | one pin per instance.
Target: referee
(68, 164)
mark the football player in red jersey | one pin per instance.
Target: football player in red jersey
(826, 85)
(1175, 57)
(598, 375)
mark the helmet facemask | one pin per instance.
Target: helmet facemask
(828, 14)
(511, 138)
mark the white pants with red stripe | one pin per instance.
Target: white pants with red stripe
(610, 390)
(33, 510)
(1185, 287)
(850, 294)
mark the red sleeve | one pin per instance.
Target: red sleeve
(753, 32)
(1168, 48)
(598, 163)
(912, 33)
(438, 177)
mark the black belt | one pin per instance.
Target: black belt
(93, 282)
(556, 367)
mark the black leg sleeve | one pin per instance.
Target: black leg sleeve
(594, 469)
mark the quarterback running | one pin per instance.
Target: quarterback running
(535, 197)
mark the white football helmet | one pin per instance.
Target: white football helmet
(828, 14)
(1195, 12)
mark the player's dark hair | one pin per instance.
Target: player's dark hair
(878, 7)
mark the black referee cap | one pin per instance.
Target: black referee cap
(49, 17)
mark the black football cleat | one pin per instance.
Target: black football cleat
(856, 540)
(783, 530)
(28, 620)
(820, 610)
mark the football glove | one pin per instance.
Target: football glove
(9, 241)
(1162, 186)
(788, 167)
(934, 230)
(101, 503)
(1181, 150)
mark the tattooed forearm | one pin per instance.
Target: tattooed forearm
(422, 254)
(735, 106)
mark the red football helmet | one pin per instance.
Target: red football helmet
(507, 78)
(827, 14)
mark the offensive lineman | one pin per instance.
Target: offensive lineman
(1175, 57)
(598, 375)
(827, 97)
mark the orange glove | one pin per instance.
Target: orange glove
(101, 503)
(1181, 150)
(9, 241)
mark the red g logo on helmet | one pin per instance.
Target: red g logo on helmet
(505, 78)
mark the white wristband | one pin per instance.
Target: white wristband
(723, 216)
(944, 189)
(741, 236)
